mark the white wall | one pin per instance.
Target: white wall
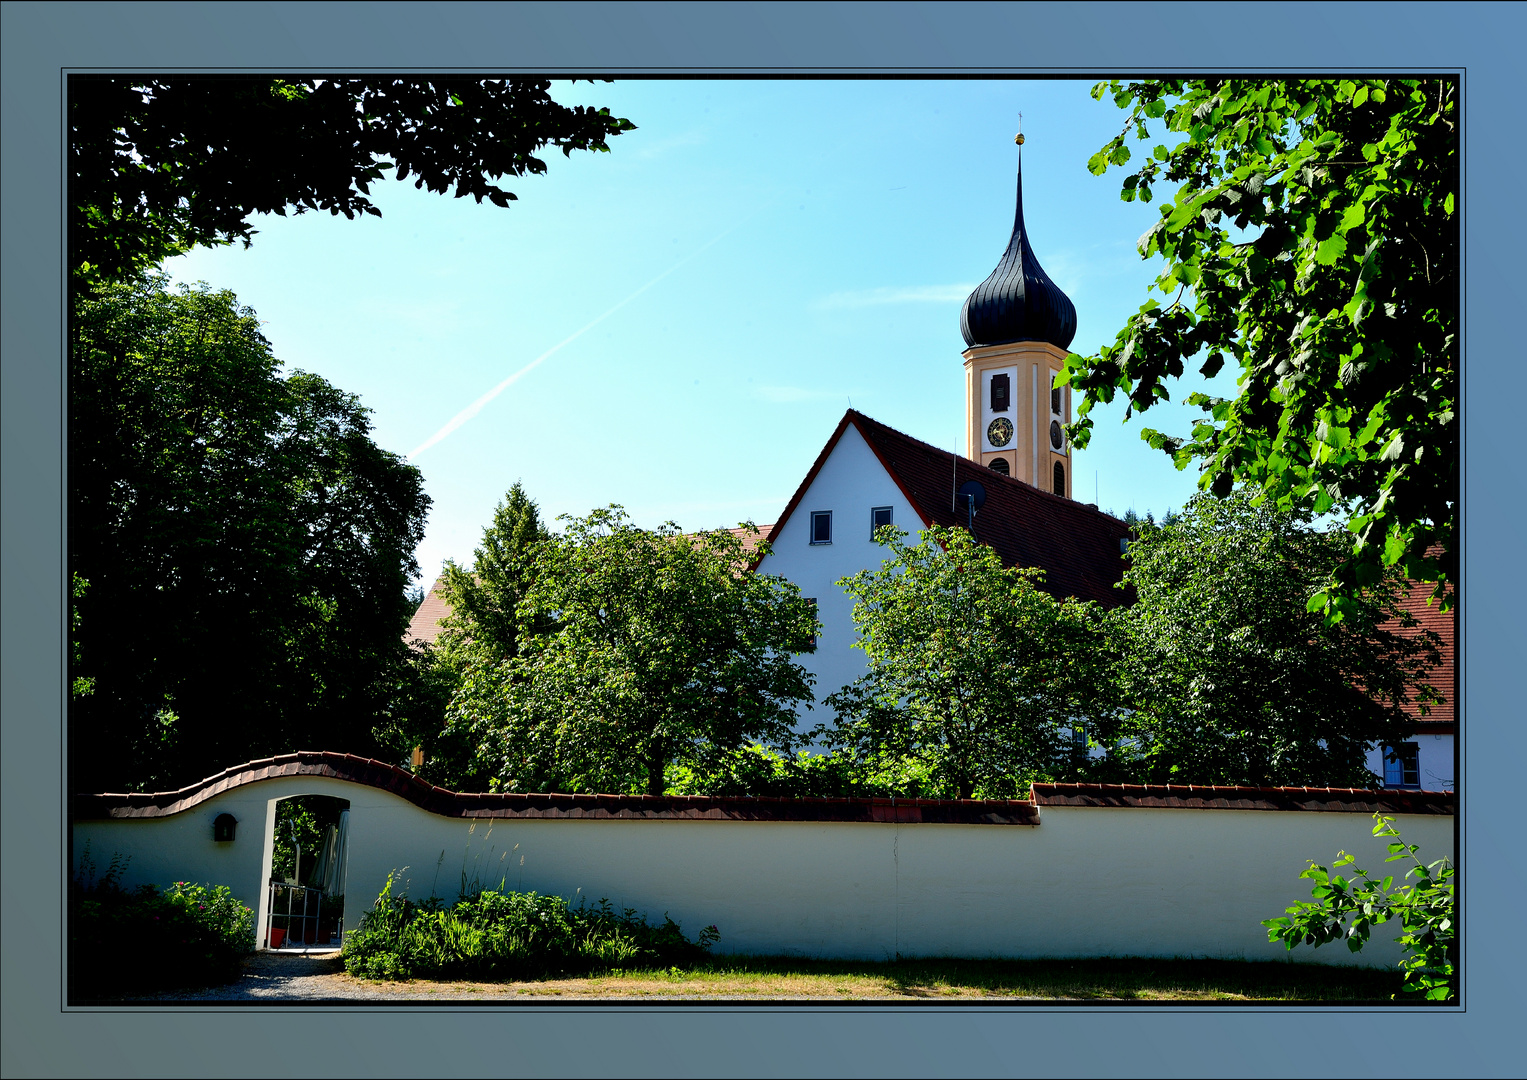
(1085, 882)
(850, 483)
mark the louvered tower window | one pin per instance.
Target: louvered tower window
(1001, 393)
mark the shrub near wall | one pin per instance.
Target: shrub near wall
(510, 935)
(125, 943)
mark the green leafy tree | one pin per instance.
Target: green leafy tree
(658, 648)
(160, 165)
(481, 631)
(1348, 910)
(1230, 679)
(238, 545)
(482, 627)
(1313, 242)
(974, 673)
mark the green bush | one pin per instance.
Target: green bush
(122, 943)
(509, 935)
(1348, 910)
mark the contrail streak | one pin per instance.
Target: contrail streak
(477, 406)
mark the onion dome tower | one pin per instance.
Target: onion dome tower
(1017, 326)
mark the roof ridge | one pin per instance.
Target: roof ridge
(1023, 485)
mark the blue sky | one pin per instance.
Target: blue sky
(681, 322)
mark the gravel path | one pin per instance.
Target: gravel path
(273, 977)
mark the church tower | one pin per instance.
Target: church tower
(1017, 327)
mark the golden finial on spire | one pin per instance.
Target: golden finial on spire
(1019, 137)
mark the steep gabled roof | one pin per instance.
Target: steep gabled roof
(1075, 545)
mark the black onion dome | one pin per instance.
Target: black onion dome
(1018, 302)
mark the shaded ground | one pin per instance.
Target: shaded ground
(285, 979)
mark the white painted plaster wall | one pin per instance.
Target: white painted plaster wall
(1085, 882)
(850, 483)
(1434, 754)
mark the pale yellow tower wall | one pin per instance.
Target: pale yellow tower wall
(1029, 455)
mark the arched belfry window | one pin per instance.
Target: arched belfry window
(1060, 479)
(998, 465)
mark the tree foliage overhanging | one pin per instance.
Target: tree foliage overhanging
(238, 546)
(160, 165)
(1313, 241)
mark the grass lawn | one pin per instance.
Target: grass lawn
(764, 978)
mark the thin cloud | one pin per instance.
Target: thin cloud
(477, 406)
(908, 294)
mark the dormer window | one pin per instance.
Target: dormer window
(821, 526)
(1001, 393)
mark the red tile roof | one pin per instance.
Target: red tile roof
(1075, 545)
(425, 625)
(1202, 797)
(1443, 678)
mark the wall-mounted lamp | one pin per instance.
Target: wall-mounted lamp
(222, 828)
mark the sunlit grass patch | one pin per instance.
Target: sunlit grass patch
(1113, 980)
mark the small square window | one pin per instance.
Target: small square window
(880, 515)
(821, 526)
(1402, 767)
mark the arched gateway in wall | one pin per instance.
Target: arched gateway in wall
(1075, 870)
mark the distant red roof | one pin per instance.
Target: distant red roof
(1076, 545)
(750, 539)
(425, 625)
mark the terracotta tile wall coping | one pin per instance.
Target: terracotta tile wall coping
(1199, 797)
(447, 803)
(439, 800)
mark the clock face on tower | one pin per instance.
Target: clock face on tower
(1000, 431)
